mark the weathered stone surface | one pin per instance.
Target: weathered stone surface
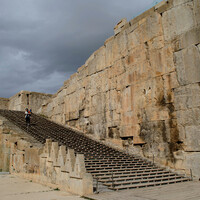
(163, 6)
(4, 103)
(178, 20)
(179, 2)
(187, 65)
(191, 37)
(196, 11)
(192, 160)
(187, 97)
(192, 138)
(119, 26)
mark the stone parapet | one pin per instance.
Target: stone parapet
(49, 165)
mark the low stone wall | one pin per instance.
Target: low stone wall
(49, 165)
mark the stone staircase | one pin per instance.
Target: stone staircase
(109, 167)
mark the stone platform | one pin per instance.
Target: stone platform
(181, 191)
(13, 187)
(21, 189)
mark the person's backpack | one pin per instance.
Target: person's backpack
(29, 113)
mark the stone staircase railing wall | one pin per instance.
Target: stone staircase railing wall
(49, 165)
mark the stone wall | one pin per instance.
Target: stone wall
(4, 103)
(49, 165)
(143, 82)
(27, 99)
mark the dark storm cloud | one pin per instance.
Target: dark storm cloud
(42, 42)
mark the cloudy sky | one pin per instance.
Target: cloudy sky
(42, 42)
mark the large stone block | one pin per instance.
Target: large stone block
(187, 97)
(120, 25)
(192, 138)
(109, 52)
(120, 46)
(117, 68)
(70, 161)
(130, 117)
(163, 6)
(156, 43)
(112, 100)
(188, 117)
(187, 65)
(191, 37)
(192, 161)
(196, 11)
(32, 158)
(178, 20)
(133, 39)
(179, 2)
(130, 130)
(100, 59)
(62, 156)
(153, 26)
(126, 99)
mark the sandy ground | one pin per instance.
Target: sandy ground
(15, 188)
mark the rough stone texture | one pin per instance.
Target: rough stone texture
(187, 65)
(4, 103)
(25, 99)
(178, 20)
(120, 26)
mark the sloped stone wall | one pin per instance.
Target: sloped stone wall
(143, 82)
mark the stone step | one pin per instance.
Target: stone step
(90, 166)
(122, 171)
(96, 159)
(126, 167)
(118, 183)
(137, 177)
(113, 162)
(137, 174)
(111, 169)
(98, 174)
(141, 185)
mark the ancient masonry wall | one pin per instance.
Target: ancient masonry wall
(50, 164)
(143, 82)
(4, 103)
(27, 99)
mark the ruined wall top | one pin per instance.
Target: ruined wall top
(24, 99)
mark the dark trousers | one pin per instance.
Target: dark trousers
(28, 120)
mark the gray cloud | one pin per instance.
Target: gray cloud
(42, 42)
